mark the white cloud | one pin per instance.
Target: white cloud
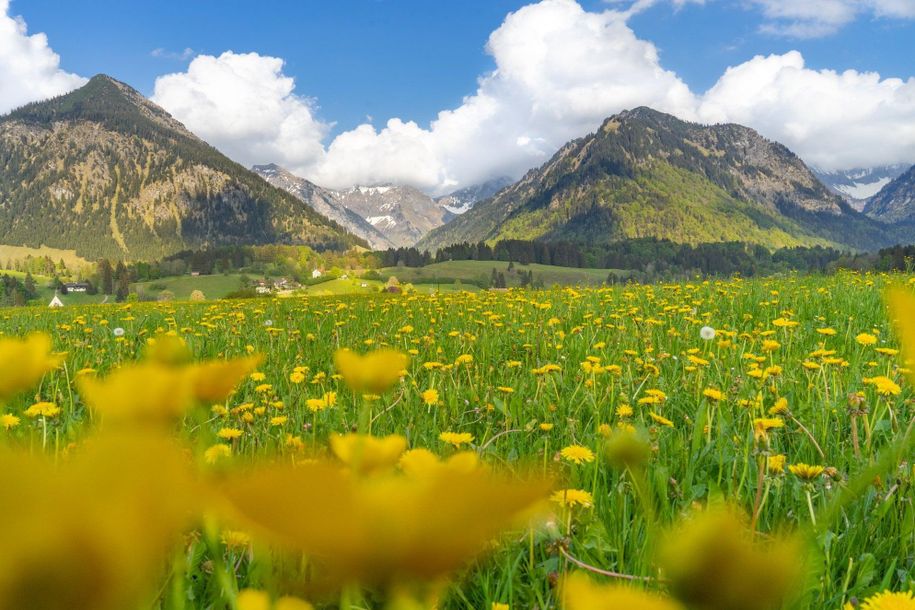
(29, 68)
(560, 70)
(816, 18)
(161, 53)
(244, 105)
(836, 120)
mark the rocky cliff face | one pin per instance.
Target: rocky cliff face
(401, 213)
(896, 201)
(325, 202)
(105, 172)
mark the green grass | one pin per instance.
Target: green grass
(481, 270)
(212, 286)
(642, 337)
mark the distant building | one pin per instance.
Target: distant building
(262, 288)
(76, 287)
(316, 274)
(56, 302)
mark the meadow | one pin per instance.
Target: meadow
(708, 445)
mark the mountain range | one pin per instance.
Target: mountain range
(859, 185)
(896, 201)
(106, 172)
(648, 174)
(385, 216)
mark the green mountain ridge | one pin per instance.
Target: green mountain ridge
(648, 174)
(106, 172)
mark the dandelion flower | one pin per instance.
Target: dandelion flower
(887, 600)
(430, 397)
(577, 454)
(707, 333)
(580, 593)
(456, 438)
(229, 434)
(8, 421)
(805, 471)
(216, 453)
(713, 394)
(372, 373)
(884, 386)
(42, 409)
(573, 497)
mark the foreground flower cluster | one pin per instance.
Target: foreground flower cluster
(711, 446)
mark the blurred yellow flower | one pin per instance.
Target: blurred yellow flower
(579, 592)
(8, 421)
(23, 362)
(902, 308)
(371, 373)
(364, 453)
(866, 339)
(381, 528)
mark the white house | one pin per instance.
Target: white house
(316, 274)
(56, 302)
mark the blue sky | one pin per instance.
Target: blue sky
(412, 58)
(350, 92)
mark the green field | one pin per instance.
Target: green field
(359, 286)
(212, 286)
(479, 271)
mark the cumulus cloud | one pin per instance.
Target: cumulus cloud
(29, 68)
(245, 106)
(815, 18)
(560, 70)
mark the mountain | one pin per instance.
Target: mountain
(896, 201)
(648, 174)
(859, 185)
(401, 213)
(325, 202)
(104, 171)
(463, 199)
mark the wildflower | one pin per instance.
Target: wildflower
(8, 421)
(866, 339)
(780, 407)
(769, 345)
(456, 438)
(580, 593)
(229, 434)
(365, 453)
(660, 420)
(42, 409)
(23, 362)
(887, 600)
(805, 471)
(372, 373)
(464, 359)
(577, 454)
(117, 331)
(775, 464)
(828, 332)
(713, 394)
(571, 498)
(707, 333)
(279, 420)
(430, 397)
(624, 411)
(761, 426)
(216, 453)
(884, 386)
(296, 377)
(546, 426)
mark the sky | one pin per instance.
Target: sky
(445, 94)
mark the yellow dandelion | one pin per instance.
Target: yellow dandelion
(577, 454)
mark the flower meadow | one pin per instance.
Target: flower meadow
(714, 445)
